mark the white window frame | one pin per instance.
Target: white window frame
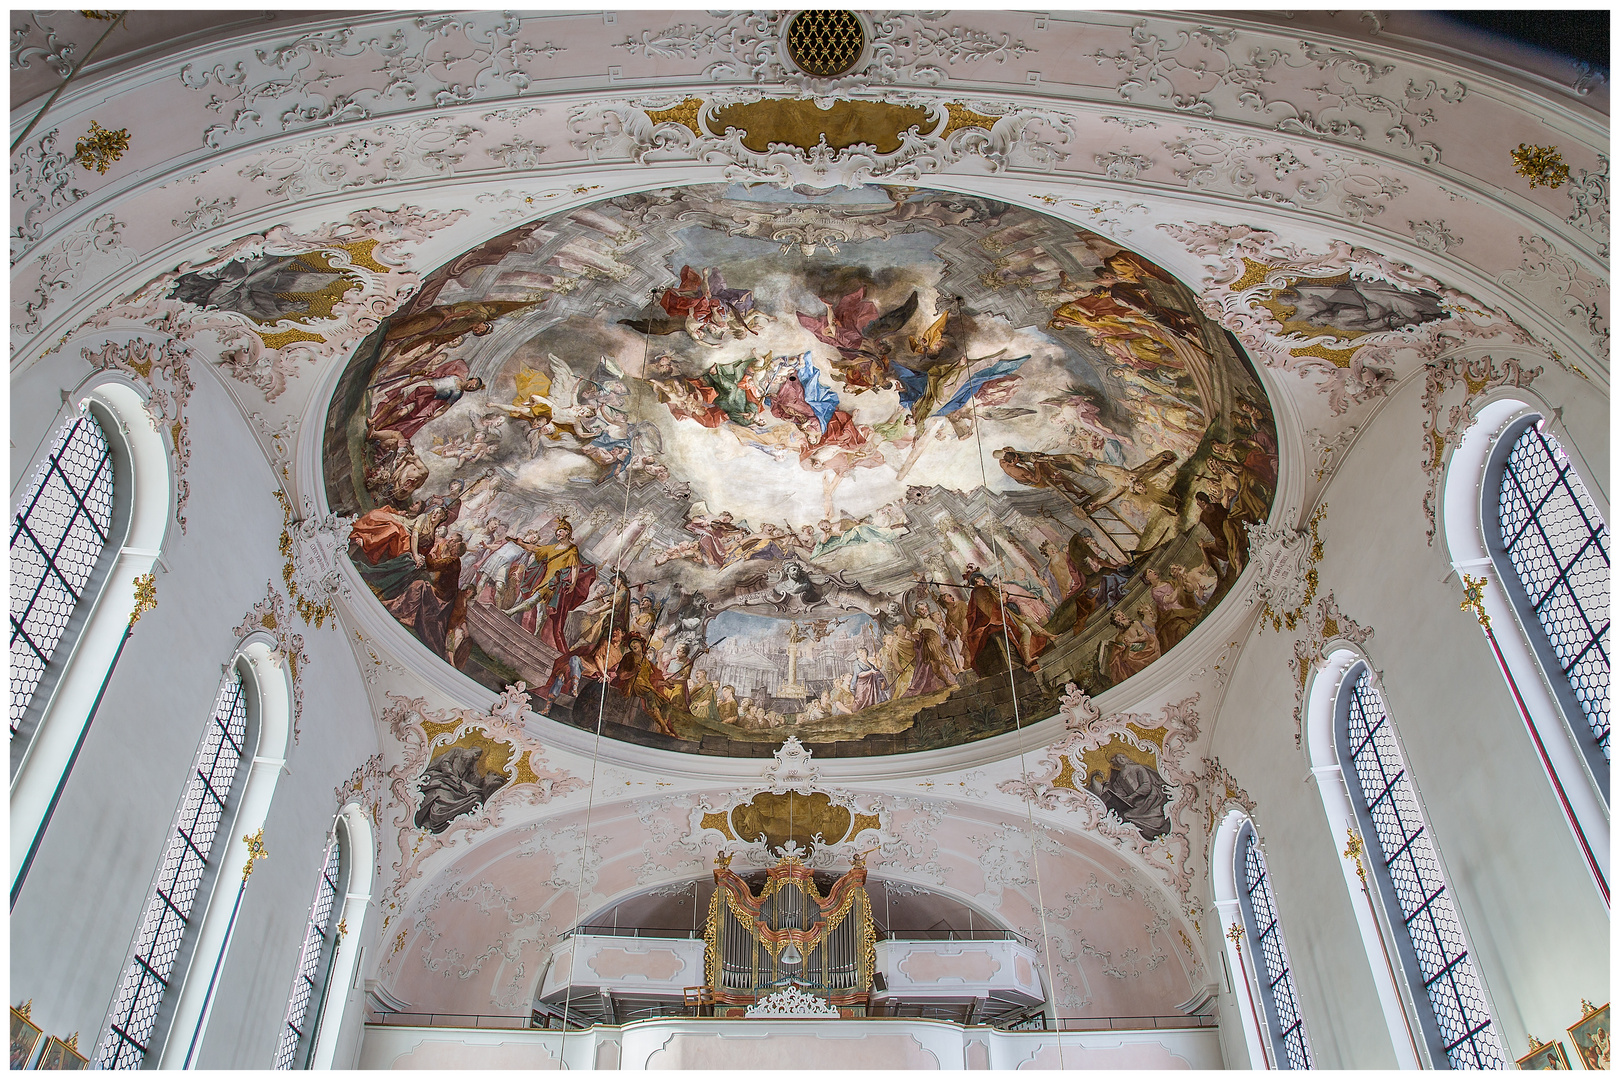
(184, 1011)
(324, 1019)
(1223, 882)
(342, 1017)
(60, 712)
(326, 928)
(52, 499)
(1408, 1016)
(1466, 509)
(1321, 701)
(1231, 899)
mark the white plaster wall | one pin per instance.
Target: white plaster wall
(75, 917)
(1538, 927)
(786, 1044)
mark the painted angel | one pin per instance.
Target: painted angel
(549, 405)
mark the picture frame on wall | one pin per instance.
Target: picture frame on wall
(24, 1038)
(63, 1055)
(1549, 1055)
(1590, 1035)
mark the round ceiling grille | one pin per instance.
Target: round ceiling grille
(825, 42)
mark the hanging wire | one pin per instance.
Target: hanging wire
(1018, 727)
(601, 714)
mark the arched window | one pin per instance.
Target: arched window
(1452, 1012)
(314, 964)
(90, 522)
(1519, 515)
(158, 1014)
(1269, 1006)
(59, 532)
(1551, 550)
(182, 875)
(1281, 1001)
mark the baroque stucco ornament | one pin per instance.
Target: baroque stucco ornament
(791, 1001)
(1286, 580)
(791, 768)
(795, 148)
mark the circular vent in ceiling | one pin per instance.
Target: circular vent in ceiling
(825, 43)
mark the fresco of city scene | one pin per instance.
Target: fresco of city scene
(882, 468)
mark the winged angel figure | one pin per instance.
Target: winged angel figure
(548, 405)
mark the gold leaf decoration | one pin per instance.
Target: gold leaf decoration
(685, 114)
(100, 147)
(1543, 165)
(145, 596)
(799, 122)
(959, 116)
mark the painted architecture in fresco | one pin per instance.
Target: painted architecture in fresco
(716, 465)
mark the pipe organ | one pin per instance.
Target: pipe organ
(789, 933)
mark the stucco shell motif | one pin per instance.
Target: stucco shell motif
(715, 465)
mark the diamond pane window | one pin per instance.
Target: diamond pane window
(1438, 959)
(315, 959)
(1266, 944)
(57, 536)
(1558, 546)
(174, 895)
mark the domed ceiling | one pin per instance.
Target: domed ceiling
(711, 466)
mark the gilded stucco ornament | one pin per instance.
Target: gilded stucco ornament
(145, 597)
(1126, 777)
(331, 286)
(1543, 166)
(101, 148)
(1473, 600)
(270, 616)
(1478, 377)
(1285, 583)
(1348, 316)
(256, 851)
(838, 142)
(792, 814)
(1355, 849)
(311, 546)
(457, 772)
(1324, 623)
(164, 368)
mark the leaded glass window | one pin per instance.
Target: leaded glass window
(313, 961)
(1266, 945)
(174, 895)
(1558, 546)
(57, 536)
(1408, 868)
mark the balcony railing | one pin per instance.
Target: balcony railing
(1038, 1022)
(670, 933)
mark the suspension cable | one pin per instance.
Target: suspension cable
(1018, 727)
(596, 743)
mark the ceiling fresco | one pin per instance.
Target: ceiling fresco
(712, 466)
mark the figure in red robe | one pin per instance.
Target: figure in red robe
(408, 403)
(991, 622)
(434, 608)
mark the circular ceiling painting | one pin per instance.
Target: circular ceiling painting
(712, 466)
